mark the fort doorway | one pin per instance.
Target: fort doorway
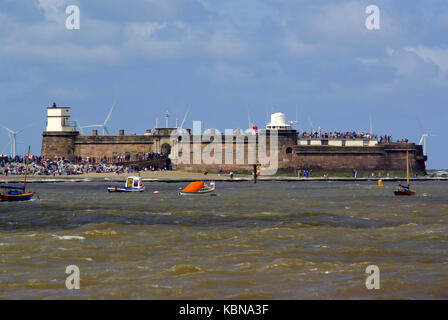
(166, 149)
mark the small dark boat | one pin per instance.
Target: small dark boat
(12, 193)
(405, 190)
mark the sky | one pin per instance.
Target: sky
(314, 60)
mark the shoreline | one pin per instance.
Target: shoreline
(182, 176)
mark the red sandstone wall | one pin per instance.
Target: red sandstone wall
(382, 157)
(58, 145)
(333, 159)
(99, 151)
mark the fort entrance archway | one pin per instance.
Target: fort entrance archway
(166, 149)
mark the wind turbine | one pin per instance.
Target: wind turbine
(423, 141)
(105, 131)
(79, 127)
(311, 124)
(425, 135)
(13, 139)
(296, 122)
(181, 130)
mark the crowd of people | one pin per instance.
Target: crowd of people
(348, 135)
(385, 139)
(137, 157)
(122, 158)
(37, 165)
(337, 135)
(304, 173)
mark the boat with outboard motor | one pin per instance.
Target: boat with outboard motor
(132, 184)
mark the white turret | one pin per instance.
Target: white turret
(278, 121)
(58, 119)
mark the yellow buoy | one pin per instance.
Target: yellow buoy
(380, 183)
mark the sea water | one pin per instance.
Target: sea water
(270, 240)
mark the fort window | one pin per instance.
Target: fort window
(324, 142)
(343, 143)
(288, 150)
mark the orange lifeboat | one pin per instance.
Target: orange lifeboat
(194, 186)
(198, 187)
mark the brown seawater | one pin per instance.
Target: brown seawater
(272, 240)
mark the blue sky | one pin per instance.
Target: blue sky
(223, 57)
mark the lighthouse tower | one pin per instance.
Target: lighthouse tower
(58, 119)
(58, 140)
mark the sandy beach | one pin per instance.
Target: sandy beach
(158, 175)
(172, 176)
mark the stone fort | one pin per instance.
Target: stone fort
(294, 151)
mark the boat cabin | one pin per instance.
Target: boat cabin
(134, 182)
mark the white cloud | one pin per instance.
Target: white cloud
(67, 93)
(51, 42)
(226, 45)
(63, 53)
(410, 65)
(341, 19)
(297, 48)
(204, 4)
(153, 40)
(225, 72)
(144, 29)
(165, 8)
(435, 55)
(390, 51)
(54, 10)
(346, 20)
(169, 40)
(368, 60)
